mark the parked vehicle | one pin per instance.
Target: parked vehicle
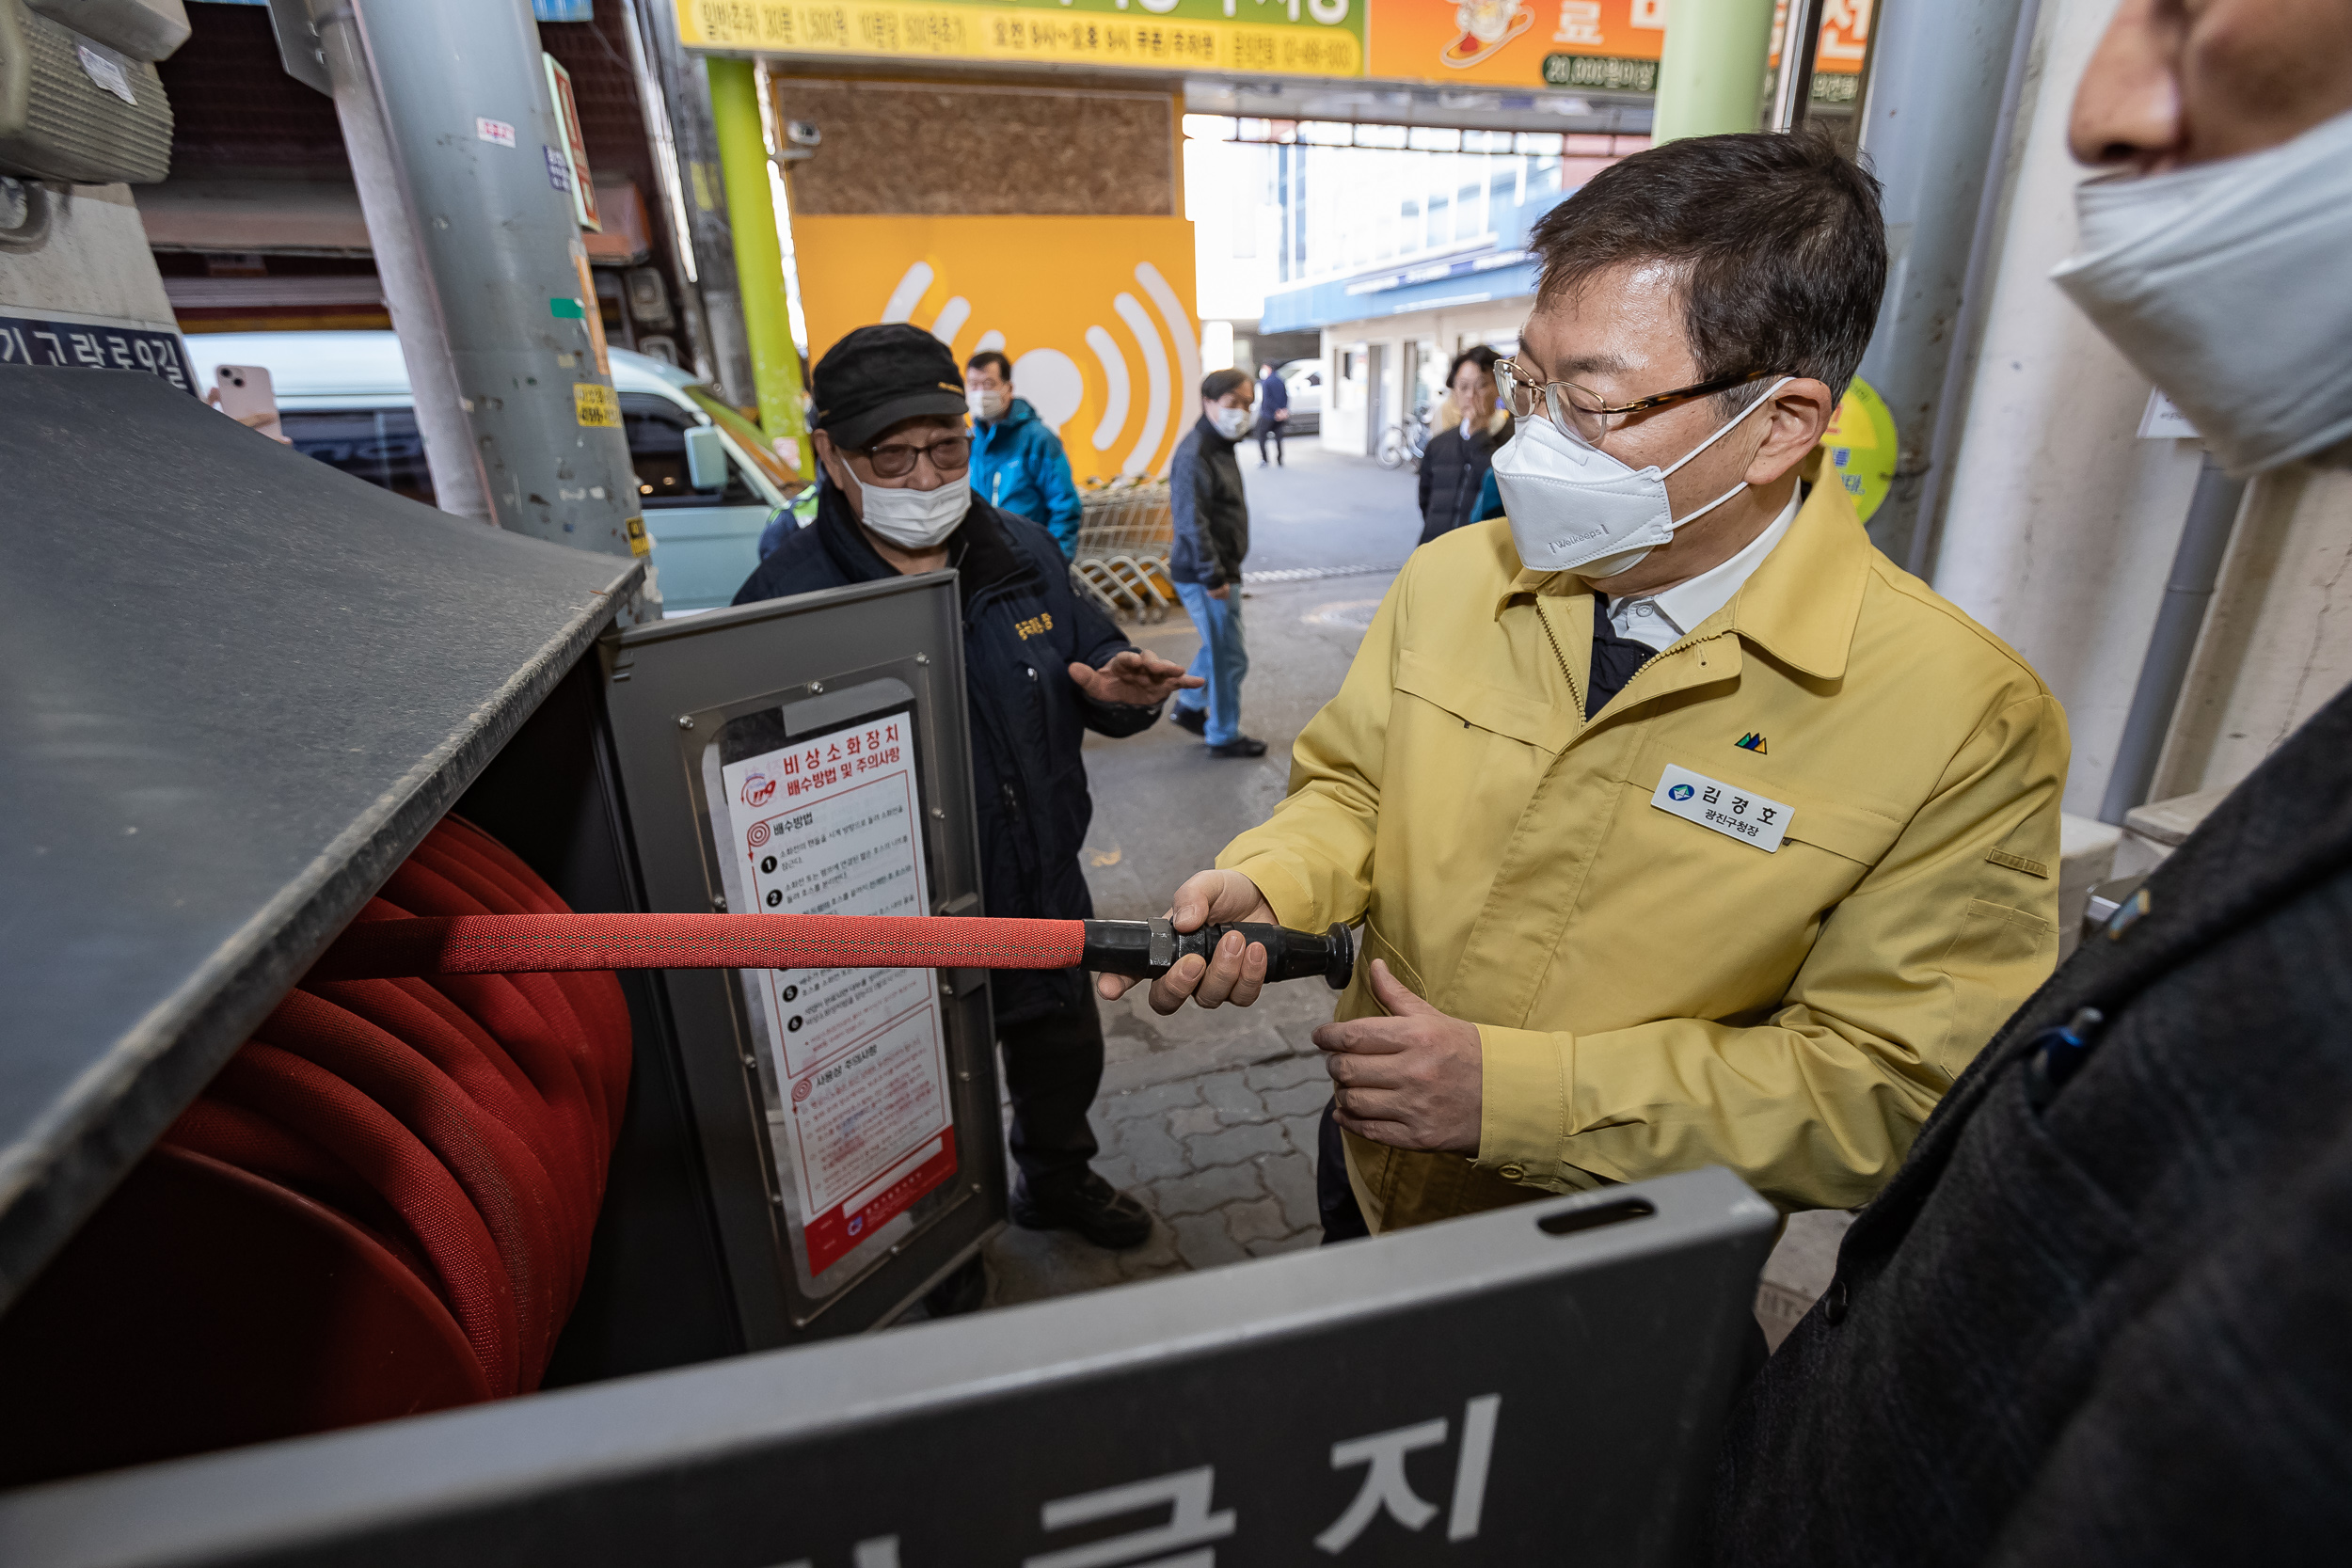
(343, 398)
(1304, 377)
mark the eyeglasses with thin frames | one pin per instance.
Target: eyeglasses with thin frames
(949, 454)
(1581, 414)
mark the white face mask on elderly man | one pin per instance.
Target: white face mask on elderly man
(913, 519)
(2225, 284)
(986, 402)
(1574, 507)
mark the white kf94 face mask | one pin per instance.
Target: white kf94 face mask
(913, 519)
(2226, 284)
(1575, 508)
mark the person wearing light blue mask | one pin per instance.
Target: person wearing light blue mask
(2099, 1316)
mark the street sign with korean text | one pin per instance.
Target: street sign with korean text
(1324, 37)
(88, 342)
(1541, 1384)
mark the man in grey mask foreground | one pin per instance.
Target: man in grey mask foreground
(2100, 1315)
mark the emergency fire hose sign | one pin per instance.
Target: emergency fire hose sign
(831, 824)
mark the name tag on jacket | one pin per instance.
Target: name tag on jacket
(1729, 809)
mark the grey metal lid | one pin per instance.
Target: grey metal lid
(240, 686)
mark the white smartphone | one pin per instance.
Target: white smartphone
(246, 396)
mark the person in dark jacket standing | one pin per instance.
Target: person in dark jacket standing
(2099, 1317)
(1274, 412)
(1471, 424)
(1210, 518)
(1042, 666)
(1018, 464)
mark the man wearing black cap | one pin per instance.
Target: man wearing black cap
(1041, 666)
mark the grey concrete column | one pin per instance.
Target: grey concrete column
(472, 137)
(1942, 93)
(458, 486)
(2180, 621)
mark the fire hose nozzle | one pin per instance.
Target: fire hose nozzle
(1150, 948)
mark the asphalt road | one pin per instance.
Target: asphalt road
(1163, 806)
(1319, 509)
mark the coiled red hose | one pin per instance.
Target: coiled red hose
(384, 1203)
(464, 1121)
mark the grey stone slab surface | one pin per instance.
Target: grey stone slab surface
(1233, 1145)
(1291, 1179)
(1269, 1078)
(1201, 1191)
(1204, 1241)
(1288, 1243)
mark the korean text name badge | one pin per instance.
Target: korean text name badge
(1734, 812)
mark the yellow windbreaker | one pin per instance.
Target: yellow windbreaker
(1653, 996)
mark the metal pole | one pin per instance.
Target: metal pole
(459, 484)
(475, 141)
(1945, 82)
(712, 241)
(2196, 567)
(1800, 41)
(1710, 77)
(654, 101)
(758, 250)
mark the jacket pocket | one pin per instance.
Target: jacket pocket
(1376, 946)
(1997, 958)
(1500, 710)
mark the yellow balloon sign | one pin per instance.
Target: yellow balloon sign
(1095, 314)
(1858, 449)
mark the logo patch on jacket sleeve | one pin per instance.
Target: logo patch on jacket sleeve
(1733, 811)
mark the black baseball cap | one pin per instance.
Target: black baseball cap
(878, 375)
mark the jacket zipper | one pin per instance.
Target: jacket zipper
(1575, 690)
(1571, 672)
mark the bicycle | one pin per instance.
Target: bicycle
(1404, 441)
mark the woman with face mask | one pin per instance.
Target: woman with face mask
(1042, 666)
(1470, 422)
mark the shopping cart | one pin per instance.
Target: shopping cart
(1123, 536)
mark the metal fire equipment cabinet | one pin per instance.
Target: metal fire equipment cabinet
(243, 687)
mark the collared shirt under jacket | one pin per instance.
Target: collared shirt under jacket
(1653, 996)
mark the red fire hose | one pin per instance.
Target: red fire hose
(381, 944)
(384, 1203)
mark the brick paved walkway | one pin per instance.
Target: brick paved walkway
(1209, 1118)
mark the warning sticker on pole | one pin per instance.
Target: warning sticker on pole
(596, 404)
(831, 824)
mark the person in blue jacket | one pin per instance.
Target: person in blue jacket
(1042, 666)
(1017, 462)
(1489, 498)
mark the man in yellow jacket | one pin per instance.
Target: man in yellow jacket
(1684, 827)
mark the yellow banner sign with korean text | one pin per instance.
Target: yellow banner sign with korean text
(1290, 38)
(1095, 314)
